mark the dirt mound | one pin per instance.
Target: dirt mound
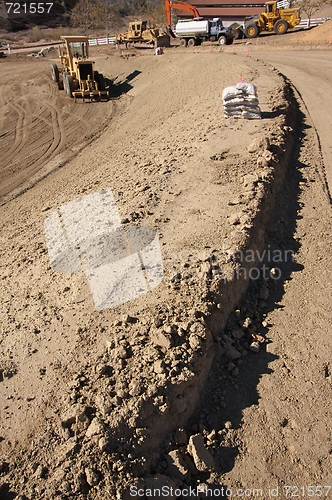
(320, 34)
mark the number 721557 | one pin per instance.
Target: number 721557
(28, 8)
(308, 491)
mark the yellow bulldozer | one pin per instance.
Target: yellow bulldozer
(274, 18)
(143, 32)
(78, 75)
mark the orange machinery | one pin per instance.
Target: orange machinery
(177, 4)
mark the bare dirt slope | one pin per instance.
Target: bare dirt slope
(319, 35)
(91, 400)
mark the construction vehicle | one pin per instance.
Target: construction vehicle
(78, 75)
(194, 31)
(275, 18)
(177, 4)
(143, 32)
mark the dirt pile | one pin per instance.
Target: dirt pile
(320, 34)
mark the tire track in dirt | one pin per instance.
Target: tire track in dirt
(3, 103)
(38, 124)
(21, 131)
(59, 135)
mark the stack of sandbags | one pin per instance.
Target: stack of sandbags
(241, 101)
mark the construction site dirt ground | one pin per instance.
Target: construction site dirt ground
(107, 404)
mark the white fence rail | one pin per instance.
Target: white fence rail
(101, 41)
(310, 23)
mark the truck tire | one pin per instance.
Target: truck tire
(251, 30)
(229, 40)
(191, 42)
(280, 27)
(55, 73)
(68, 84)
(222, 40)
(64, 81)
(183, 42)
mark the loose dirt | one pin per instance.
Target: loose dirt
(97, 402)
(321, 34)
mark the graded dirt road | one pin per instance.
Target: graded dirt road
(108, 415)
(310, 73)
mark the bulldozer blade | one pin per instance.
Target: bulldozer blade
(163, 41)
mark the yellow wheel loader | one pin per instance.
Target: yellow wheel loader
(78, 75)
(272, 19)
(143, 32)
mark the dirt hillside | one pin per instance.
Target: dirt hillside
(319, 35)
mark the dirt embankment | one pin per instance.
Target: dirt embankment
(319, 35)
(128, 376)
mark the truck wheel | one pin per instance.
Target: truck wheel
(64, 81)
(183, 42)
(68, 84)
(222, 40)
(280, 27)
(55, 73)
(251, 30)
(229, 40)
(191, 42)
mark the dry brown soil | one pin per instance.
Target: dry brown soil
(91, 402)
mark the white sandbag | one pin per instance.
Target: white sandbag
(228, 109)
(248, 88)
(233, 114)
(230, 93)
(236, 101)
(251, 116)
(251, 109)
(251, 100)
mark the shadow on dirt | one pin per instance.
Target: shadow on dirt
(117, 89)
(272, 114)
(232, 384)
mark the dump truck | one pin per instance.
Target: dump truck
(275, 18)
(194, 31)
(143, 32)
(79, 78)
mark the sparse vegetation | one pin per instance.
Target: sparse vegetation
(310, 7)
(35, 34)
(91, 15)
